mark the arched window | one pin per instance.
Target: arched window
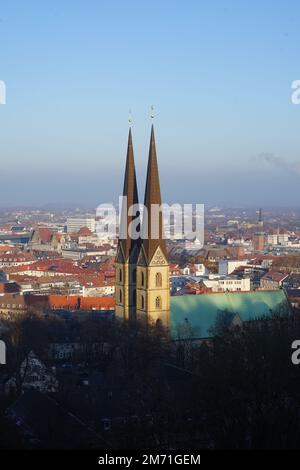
(120, 275)
(120, 296)
(142, 279)
(142, 302)
(158, 302)
(158, 280)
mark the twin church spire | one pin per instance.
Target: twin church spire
(127, 244)
(142, 270)
(153, 232)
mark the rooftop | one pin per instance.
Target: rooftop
(201, 311)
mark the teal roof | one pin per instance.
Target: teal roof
(201, 311)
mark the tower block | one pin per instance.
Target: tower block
(128, 247)
(152, 270)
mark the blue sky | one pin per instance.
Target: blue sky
(218, 73)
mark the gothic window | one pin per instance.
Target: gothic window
(158, 280)
(120, 275)
(158, 303)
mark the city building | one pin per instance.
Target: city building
(259, 240)
(228, 284)
(228, 266)
(44, 239)
(273, 280)
(74, 224)
(278, 237)
(35, 375)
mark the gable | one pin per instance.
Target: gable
(120, 255)
(158, 258)
(142, 258)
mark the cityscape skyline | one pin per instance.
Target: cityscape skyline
(149, 229)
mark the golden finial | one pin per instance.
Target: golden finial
(152, 113)
(130, 118)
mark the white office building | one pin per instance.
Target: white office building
(74, 224)
(227, 266)
(230, 284)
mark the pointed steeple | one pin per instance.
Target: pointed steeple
(153, 226)
(131, 193)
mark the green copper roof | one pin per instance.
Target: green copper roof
(201, 310)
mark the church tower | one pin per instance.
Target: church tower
(128, 244)
(152, 271)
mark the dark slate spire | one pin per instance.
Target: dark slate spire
(152, 196)
(130, 191)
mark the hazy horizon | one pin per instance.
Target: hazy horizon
(219, 77)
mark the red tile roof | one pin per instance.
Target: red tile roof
(72, 302)
(275, 276)
(7, 249)
(44, 233)
(78, 302)
(84, 232)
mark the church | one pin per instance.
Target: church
(142, 286)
